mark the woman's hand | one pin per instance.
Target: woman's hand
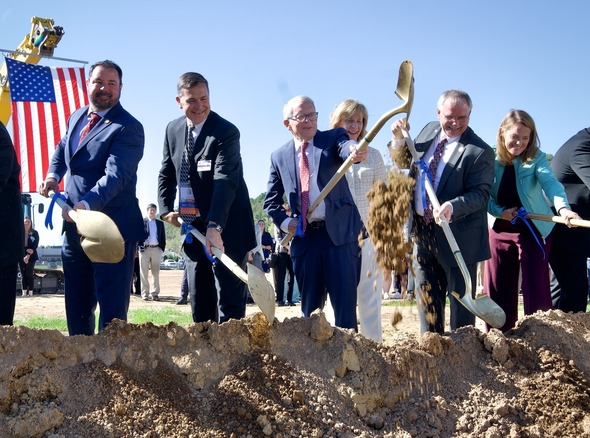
(568, 215)
(509, 213)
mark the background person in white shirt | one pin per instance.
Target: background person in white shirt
(150, 254)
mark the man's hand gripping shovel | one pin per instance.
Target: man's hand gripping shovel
(262, 291)
(405, 91)
(481, 306)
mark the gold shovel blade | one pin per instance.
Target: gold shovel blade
(101, 240)
(262, 291)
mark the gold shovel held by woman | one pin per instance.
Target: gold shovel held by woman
(405, 91)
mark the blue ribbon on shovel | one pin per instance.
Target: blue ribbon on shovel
(49, 216)
(521, 214)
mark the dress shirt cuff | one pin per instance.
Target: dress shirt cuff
(55, 176)
(285, 224)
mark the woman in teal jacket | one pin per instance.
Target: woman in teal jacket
(522, 179)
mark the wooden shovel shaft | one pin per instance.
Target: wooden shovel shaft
(559, 220)
(364, 144)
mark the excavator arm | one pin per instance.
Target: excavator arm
(40, 42)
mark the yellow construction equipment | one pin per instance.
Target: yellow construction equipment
(40, 42)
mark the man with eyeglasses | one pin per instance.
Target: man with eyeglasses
(462, 180)
(324, 251)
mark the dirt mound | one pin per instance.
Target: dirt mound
(299, 377)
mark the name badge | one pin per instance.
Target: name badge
(187, 204)
(203, 165)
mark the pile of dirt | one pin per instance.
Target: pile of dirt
(297, 378)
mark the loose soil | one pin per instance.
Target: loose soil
(295, 378)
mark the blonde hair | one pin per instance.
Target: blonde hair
(515, 117)
(345, 110)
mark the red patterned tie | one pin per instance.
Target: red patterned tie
(93, 120)
(304, 176)
(433, 166)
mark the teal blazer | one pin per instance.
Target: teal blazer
(536, 185)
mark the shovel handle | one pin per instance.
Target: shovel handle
(221, 256)
(63, 204)
(559, 220)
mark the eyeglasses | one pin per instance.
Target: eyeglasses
(312, 117)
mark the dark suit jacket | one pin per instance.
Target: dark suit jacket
(160, 234)
(571, 165)
(103, 170)
(221, 193)
(466, 183)
(11, 210)
(343, 221)
(33, 243)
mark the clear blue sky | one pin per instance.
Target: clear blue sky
(530, 55)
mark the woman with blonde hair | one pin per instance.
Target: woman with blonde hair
(522, 180)
(353, 116)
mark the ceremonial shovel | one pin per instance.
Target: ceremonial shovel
(100, 238)
(482, 306)
(262, 291)
(405, 91)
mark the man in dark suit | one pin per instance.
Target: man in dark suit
(11, 211)
(570, 247)
(326, 255)
(202, 159)
(150, 254)
(462, 181)
(100, 153)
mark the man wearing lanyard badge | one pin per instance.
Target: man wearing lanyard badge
(202, 162)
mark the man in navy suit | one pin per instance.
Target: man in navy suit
(326, 256)
(201, 159)
(570, 247)
(462, 182)
(101, 166)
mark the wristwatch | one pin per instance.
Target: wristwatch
(216, 226)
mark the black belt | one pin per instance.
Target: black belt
(153, 246)
(316, 225)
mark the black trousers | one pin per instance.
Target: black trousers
(284, 265)
(7, 293)
(216, 293)
(434, 279)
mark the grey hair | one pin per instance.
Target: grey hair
(288, 108)
(455, 96)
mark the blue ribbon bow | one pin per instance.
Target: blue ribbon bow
(299, 232)
(425, 173)
(521, 214)
(49, 215)
(185, 229)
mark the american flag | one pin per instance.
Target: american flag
(42, 100)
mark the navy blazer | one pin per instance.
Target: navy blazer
(571, 165)
(221, 192)
(343, 221)
(11, 209)
(160, 234)
(103, 170)
(466, 182)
